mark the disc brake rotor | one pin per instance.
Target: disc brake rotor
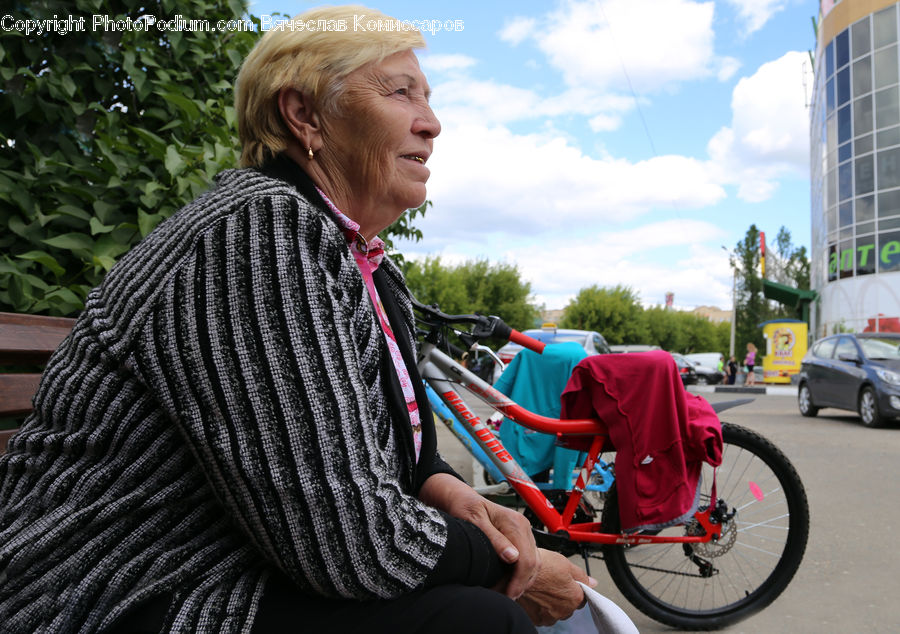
(713, 548)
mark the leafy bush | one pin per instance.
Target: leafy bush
(103, 134)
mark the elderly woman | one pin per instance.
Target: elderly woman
(234, 437)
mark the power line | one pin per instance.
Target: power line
(634, 96)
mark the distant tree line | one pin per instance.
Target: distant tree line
(498, 289)
(617, 312)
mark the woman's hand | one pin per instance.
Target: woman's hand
(508, 531)
(554, 595)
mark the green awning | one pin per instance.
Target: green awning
(795, 298)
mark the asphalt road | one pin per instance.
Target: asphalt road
(849, 580)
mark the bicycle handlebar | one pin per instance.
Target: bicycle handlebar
(444, 318)
(484, 326)
(527, 342)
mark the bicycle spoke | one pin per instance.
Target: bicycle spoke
(712, 584)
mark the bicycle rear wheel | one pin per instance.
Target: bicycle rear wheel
(709, 586)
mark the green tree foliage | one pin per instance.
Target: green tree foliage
(615, 312)
(684, 332)
(105, 132)
(474, 286)
(403, 228)
(791, 263)
(703, 335)
(785, 264)
(722, 339)
(662, 325)
(751, 306)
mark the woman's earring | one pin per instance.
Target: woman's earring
(309, 153)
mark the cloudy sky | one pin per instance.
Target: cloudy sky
(614, 141)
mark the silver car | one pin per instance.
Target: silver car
(592, 342)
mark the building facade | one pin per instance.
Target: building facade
(855, 168)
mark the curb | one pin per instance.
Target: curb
(770, 390)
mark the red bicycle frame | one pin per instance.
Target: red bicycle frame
(588, 435)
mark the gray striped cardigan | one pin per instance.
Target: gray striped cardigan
(217, 413)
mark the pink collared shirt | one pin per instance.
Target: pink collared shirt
(368, 256)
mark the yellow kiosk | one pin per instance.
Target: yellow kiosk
(785, 348)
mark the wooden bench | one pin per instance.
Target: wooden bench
(26, 342)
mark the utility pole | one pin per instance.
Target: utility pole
(733, 310)
(733, 299)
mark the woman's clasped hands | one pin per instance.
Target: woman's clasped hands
(543, 582)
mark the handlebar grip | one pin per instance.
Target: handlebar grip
(526, 342)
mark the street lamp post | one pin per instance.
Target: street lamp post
(733, 299)
(733, 310)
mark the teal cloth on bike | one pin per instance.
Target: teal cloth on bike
(536, 382)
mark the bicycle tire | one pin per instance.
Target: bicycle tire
(770, 533)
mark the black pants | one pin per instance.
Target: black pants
(451, 609)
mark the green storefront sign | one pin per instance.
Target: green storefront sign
(861, 259)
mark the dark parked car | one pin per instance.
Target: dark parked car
(686, 369)
(858, 372)
(706, 375)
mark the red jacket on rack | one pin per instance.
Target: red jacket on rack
(662, 434)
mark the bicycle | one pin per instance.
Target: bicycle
(495, 483)
(733, 558)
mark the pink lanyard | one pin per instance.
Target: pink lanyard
(368, 257)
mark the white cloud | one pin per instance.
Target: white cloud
(516, 30)
(609, 55)
(467, 99)
(604, 123)
(489, 177)
(445, 63)
(726, 67)
(570, 218)
(464, 99)
(649, 259)
(769, 133)
(755, 13)
(620, 44)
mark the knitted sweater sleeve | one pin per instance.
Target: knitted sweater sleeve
(261, 352)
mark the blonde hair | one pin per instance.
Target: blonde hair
(315, 62)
